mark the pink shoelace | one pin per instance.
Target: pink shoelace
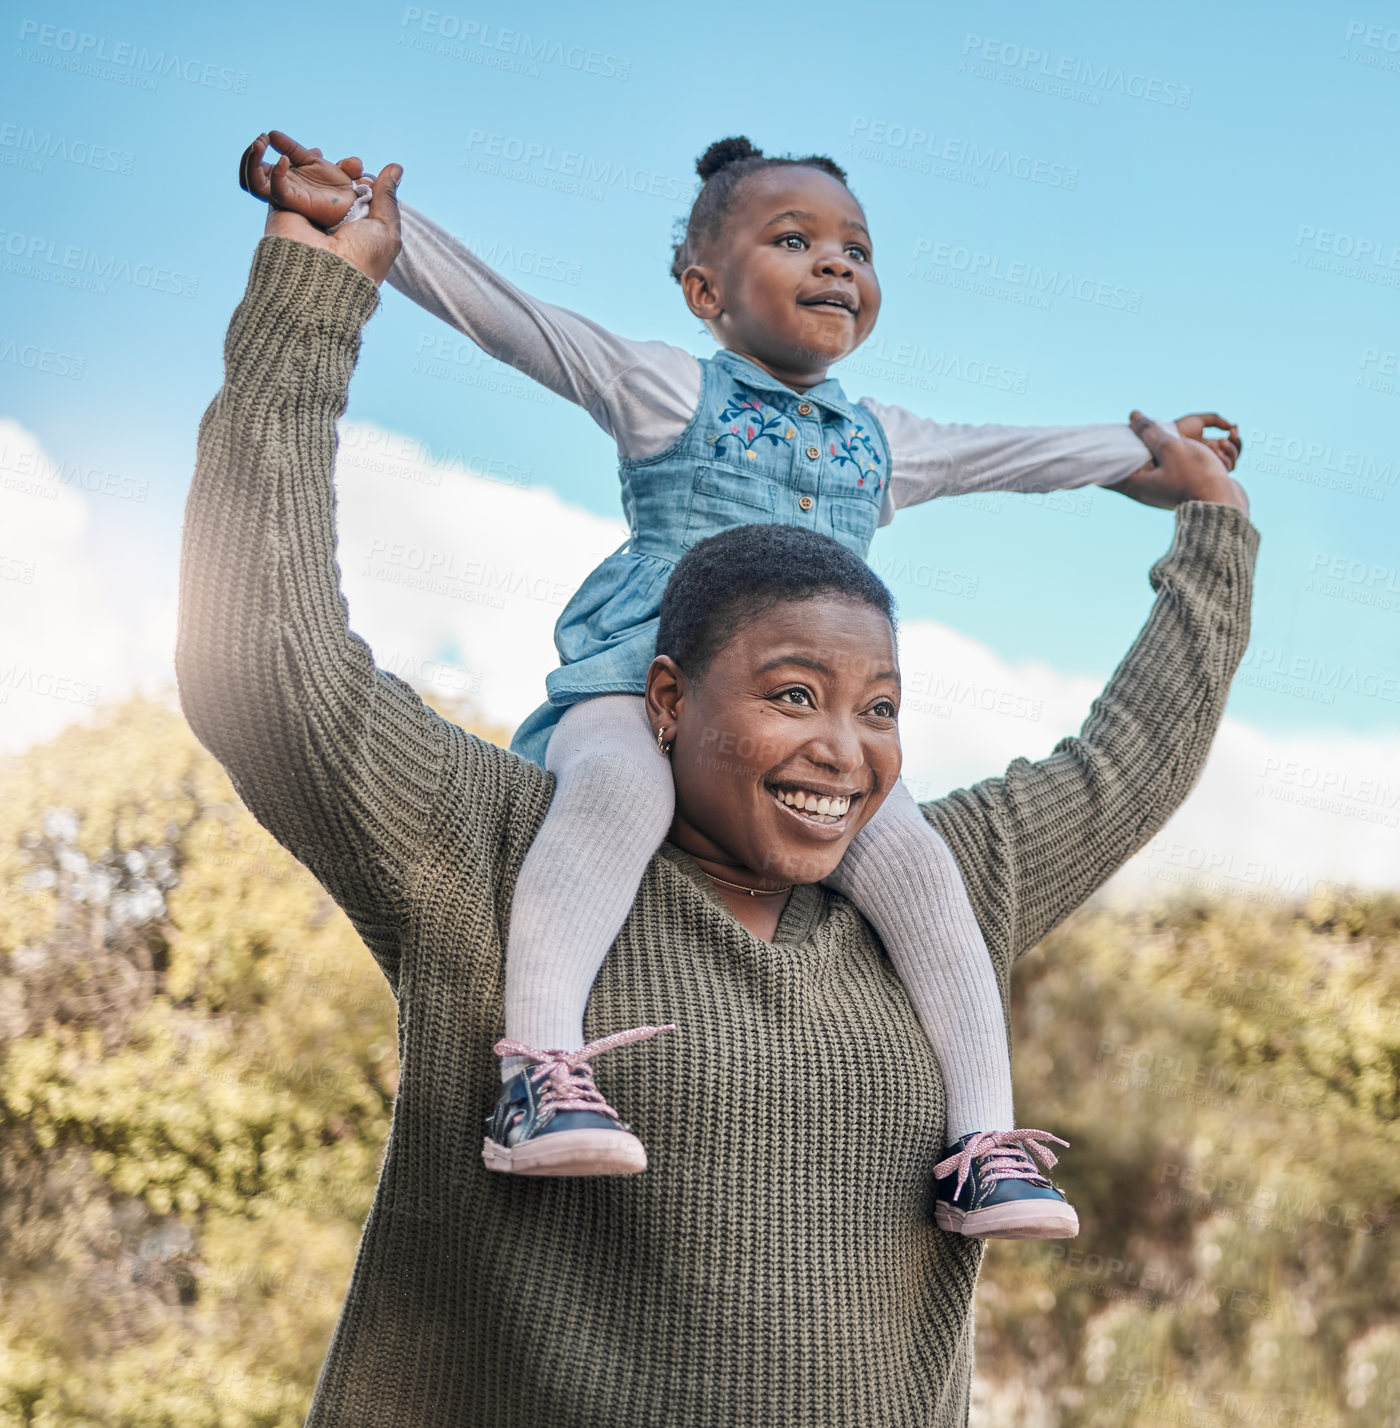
(1004, 1156)
(567, 1076)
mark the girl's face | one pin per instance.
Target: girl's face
(790, 281)
(803, 699)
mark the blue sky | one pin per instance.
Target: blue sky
(1210, 195)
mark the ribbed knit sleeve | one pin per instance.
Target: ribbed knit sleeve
(1036, 842)
(337, 759)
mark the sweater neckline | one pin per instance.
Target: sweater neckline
(803, 915)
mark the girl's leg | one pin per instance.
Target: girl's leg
(900, 873)
(612, 806)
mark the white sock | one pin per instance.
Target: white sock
(612, 806)
(901, 874)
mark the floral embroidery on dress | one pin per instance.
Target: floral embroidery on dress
(748, 425)
(855, 448)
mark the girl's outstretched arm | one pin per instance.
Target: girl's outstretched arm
(929, 459)
(641, 393)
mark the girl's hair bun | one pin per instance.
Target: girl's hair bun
(729, 162)
(724, 152)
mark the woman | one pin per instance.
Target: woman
(779, 1262)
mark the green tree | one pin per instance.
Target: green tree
(1228, 1074)
(198, 1061)
(199, 1065)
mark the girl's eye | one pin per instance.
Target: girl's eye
(859, 251)
(795, 236)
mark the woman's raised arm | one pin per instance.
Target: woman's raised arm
(337, 759)
(1034, 843)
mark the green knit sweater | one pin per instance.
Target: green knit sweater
(778, 1264)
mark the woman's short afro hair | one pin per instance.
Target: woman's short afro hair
(726, 580)
(722, 168)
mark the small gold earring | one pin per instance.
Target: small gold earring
(661, 744)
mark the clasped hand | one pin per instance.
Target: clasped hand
(306, 194)
(1186, 465)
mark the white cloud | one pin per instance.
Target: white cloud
(1272, 815)
(61, 650)
(456, 578)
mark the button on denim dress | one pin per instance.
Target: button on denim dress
(754, 452)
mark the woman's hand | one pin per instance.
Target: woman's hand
(306, 184)
(1181, 470)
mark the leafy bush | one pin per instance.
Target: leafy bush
(198, 1062)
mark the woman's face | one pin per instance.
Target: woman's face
(801, 705)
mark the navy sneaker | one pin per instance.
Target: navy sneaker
(990, 1188)
(552, 1120)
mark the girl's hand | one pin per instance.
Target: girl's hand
(371, 244)
(301, 181)
(1228, 447)
(1181, 469)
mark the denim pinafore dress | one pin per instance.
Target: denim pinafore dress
(754, 452)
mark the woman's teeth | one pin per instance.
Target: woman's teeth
(817, 806)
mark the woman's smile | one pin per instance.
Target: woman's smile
(820, 814)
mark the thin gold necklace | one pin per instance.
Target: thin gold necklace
(752, 892)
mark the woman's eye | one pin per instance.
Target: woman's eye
(797, 696)
(885, 709)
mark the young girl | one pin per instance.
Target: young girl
(776, 260)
